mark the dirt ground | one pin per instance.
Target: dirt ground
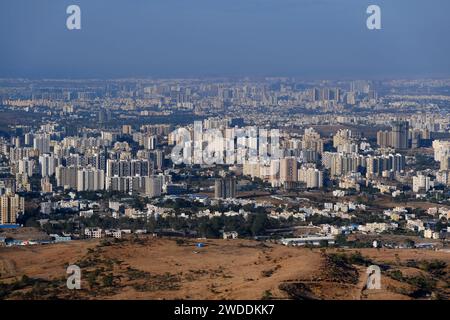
(24, 234)
(170, 268)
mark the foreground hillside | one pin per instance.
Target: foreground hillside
(170, 268)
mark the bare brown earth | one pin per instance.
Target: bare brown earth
(156, 268)
(24, 234)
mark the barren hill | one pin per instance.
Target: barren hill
(173, 268)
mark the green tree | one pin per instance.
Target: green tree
(259, 223)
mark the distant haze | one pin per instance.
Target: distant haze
(184, 38)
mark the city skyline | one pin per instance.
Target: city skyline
(201, 151)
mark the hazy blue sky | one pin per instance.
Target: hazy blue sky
(309, 38)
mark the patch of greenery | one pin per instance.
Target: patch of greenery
(267, 295)
(396, 275)
(353, 258)
(434, 267)
(135, 274)
(164, 282)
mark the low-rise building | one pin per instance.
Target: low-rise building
(430, 234)
(113, 233)
(308, 240)
(230, 235)
(96, 233)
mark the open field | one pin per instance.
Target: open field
(171, 268)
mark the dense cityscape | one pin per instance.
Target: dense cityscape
(339, 164)
(257, 159)
(93, 158)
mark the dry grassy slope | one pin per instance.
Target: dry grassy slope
(166, 269)
(24, 234)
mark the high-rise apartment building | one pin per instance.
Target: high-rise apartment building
(225, 188)
(153, 186)
(384, 139)
(46, 185)
(67, 177)
(10, 206)
(312, 177)
(400, 133)
(90, 179)
(312, 141)
(47, 165)
(376, 165)
(421, 183)
(26, 166)
(41, 142)
(150, 142)
(442, 153)
(288, 170)
(126, 129)
(127, 168)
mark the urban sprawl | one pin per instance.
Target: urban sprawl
(311, 163)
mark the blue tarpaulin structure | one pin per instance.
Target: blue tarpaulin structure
(9, 226)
